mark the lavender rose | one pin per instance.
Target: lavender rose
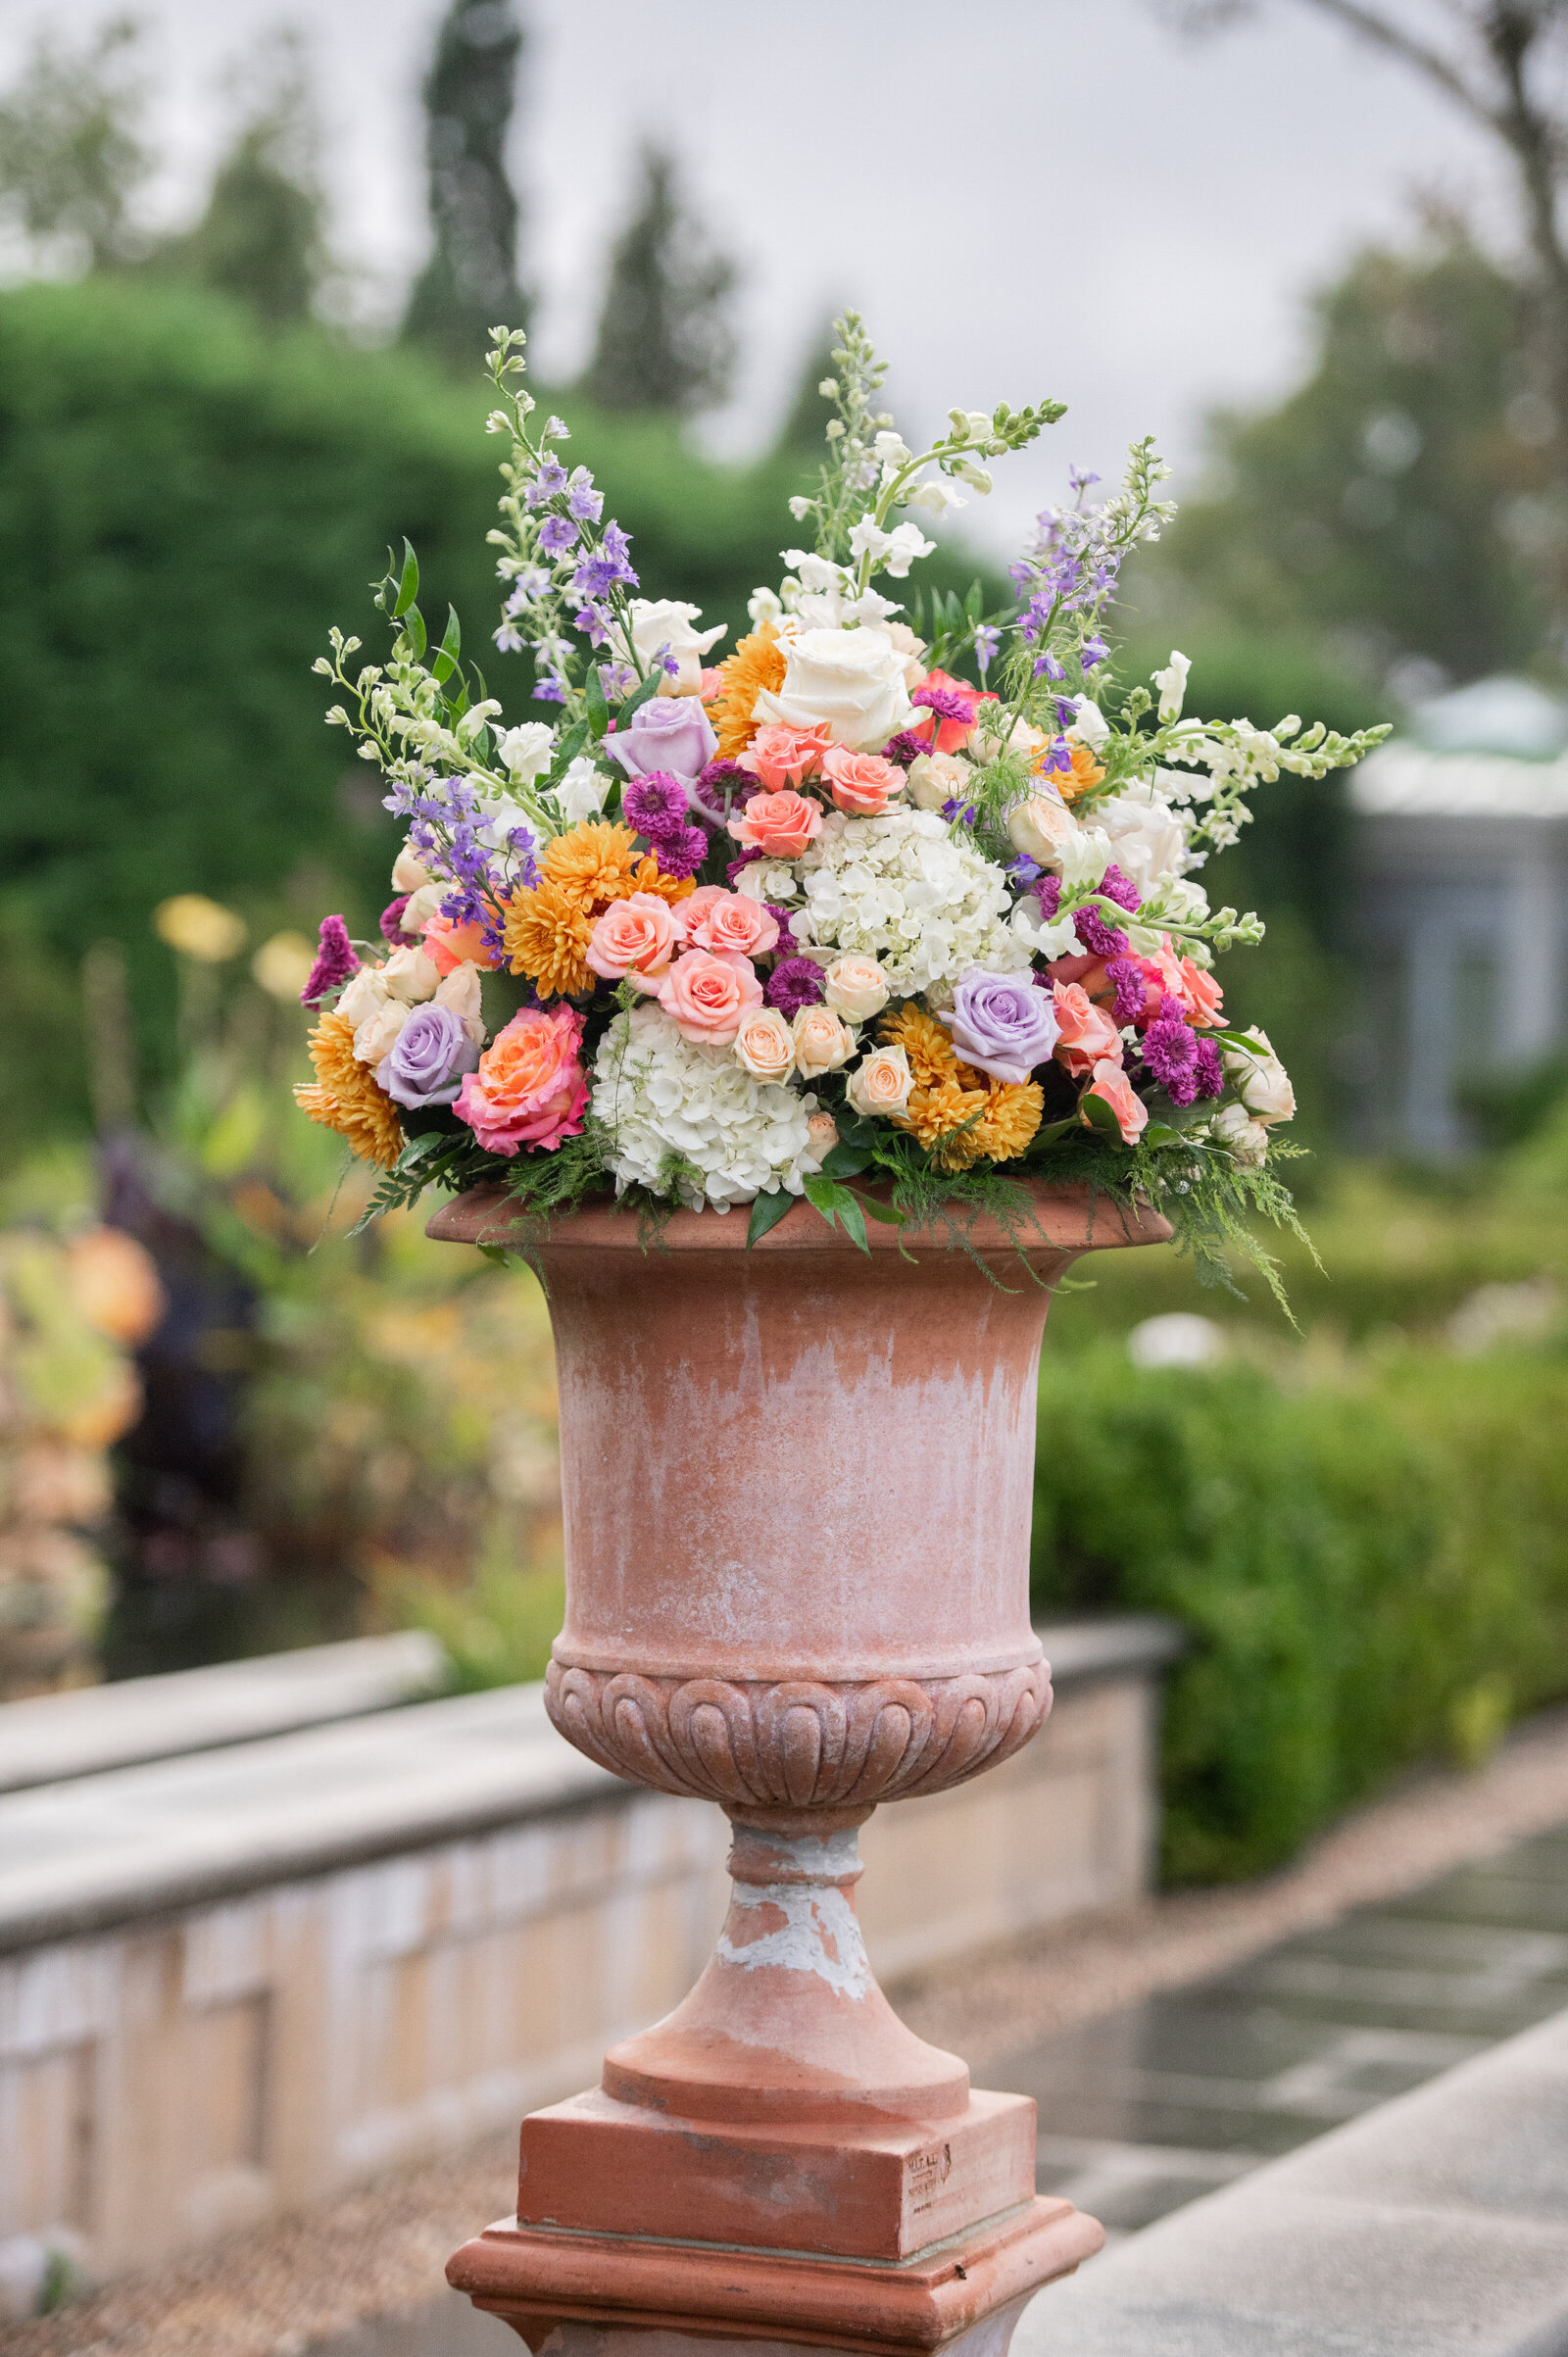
(1002, 1025)
(429, 1058)
(673, 733)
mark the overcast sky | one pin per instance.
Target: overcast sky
(1025, 197)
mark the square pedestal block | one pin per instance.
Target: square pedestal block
(885, 2189)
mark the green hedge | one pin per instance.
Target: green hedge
(1371, 1567)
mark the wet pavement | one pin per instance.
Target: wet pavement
(1153, 2107)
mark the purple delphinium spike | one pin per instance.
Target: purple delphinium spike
(335, 961)
(794, 983)
(987, 639)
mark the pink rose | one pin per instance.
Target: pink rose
(707, 993)
(529, 1089)
(1200, 995)
(1085, 1033)
(636, 937)
(781, 756)
(862, 782)
(1113, 1083)
(781, 826)
(713, 919)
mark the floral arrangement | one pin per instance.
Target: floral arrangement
(743, 930)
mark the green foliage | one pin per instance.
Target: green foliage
(1368, 1565)
(70, 151)
(471, 279)
(664, 338)
(1400, 502)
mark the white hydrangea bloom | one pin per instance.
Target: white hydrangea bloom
(900, 888)
(659, 1094)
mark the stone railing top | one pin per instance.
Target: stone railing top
(1433, 2225)
(52, 1737)
(99, 1850)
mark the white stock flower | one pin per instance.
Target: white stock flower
(528, 750)
(814, 572)
(1172, 685)
(1042, 935)
(666, 622)
(926, 905)
(852, 680)
(1085, 858)
(581, 792)
(763, 607)
(660, 1096)
(891, 450)
(800, 506)
(936, 498)
(1090, 724)
(894, 551)
(1243, 1138)
(978, 478)
(1261, 1081)
(1147, 841)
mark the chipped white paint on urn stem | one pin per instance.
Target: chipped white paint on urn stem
(819, 1935)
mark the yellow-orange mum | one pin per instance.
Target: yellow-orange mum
(345, 1098)
(548, 929)
(955, 1113)
(1087, 773)
(758, 662)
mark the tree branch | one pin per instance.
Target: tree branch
(1384, 32)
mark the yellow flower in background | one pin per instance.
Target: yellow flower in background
(116, 1284)
(283, 965)
(758, 663)
(199, 928)
(346, 1098)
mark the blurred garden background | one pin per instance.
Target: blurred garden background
(225, 1427)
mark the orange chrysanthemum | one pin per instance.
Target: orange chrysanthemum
(956, 1113)
(758, 662)
(1087, 773)
(345, 1097)
(548, 929)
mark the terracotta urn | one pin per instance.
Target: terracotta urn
(796, 1485)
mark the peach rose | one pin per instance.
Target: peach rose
(822, 1136)
(1200, 995)
(1085, 1031)
(530, 1089)
(1113, 1083)
(448, 944)
(763, 1045)
(708, 993)
(881, 1083)
(823, 1042)
(635, 938)
(1043, 828)
(779, 825)
(855, 986)
(781, 756)
(713, 919)
(864, 783)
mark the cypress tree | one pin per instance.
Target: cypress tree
(471, 281)
(664, 337)
(261, 238)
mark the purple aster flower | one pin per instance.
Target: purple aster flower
(904, 748)
(335, 961)
(1099, 939)
(724, 786)
(1126, 977)
(557, 535)
(1115, 886)
(948, 703)
(1207, 1070)
(1170, 1056)
(683, 852)
(794, 983)
(655, 805)
(391, 916)
(987, 639)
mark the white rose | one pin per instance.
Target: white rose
(365, 992)
(409, 870)
(856, 987)
(581, 792)
(852, 680)
(1147, 838)
(422, 905)
(1043, 828)
(528, 750)
(410, 975)
(765, 1046)
(881, 1083)
(460, 990)
(1172, 685)
(1243, 1138)
(1261, 1081)
(377, 1035)
(938, 778)
(823, 1042)
(665, 623)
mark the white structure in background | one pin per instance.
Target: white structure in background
(1462, 865)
